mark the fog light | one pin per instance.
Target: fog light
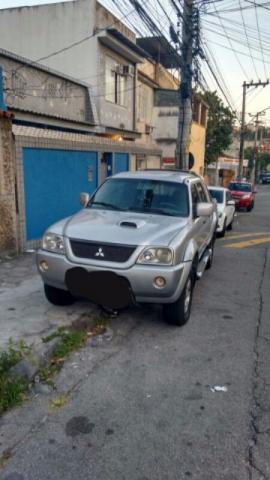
(43, 265)
(159, 282)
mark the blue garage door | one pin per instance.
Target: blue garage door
(120, 163)
(53, 180)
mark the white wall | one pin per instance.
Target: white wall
(34, 90)
(38, 31)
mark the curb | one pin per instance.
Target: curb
(27, 368)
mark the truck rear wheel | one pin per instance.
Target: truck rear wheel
(56, 296)
(178, 313)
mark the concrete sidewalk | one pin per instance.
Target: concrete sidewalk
(24, 311)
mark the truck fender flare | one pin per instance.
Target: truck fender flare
(191, 251)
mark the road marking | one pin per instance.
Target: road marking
(248, 243)
(243, 235)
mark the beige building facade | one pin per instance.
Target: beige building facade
(157, 115)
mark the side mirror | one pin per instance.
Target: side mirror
(205, 209)
(231, 203)
(84, 199)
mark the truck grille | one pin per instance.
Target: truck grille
(106, 252)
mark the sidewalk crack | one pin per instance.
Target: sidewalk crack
(256, 380)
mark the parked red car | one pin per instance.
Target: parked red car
(244, 195)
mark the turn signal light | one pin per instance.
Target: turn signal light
(159, 282)
(43, 265)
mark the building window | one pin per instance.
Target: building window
(166, 98)
(115, 83)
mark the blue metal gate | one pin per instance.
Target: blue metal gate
(120, 163)
(53, 180)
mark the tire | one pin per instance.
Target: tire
(56, 296)
(250, 207)
(230, 227)
(210, 260)
(222, 233)
(178, 313)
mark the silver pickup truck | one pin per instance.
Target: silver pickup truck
(142, 237)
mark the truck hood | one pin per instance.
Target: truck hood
(126, 228)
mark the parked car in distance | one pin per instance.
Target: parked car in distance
(265, 177)
(225, 208)
(143, 237)
(244, 195)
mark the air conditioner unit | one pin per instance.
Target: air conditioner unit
(148, 128)
(119, 69)
(126, 69)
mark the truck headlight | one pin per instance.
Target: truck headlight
(245, 197)
(53, 243)
(156, 256)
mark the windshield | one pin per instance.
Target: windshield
(240, 187)
(217, 194)
(139, 195)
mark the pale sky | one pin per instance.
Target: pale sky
(216, 32)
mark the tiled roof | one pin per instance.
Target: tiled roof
(96, 142)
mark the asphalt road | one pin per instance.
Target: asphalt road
(139, 405)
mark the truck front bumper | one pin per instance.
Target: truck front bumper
(141, 278)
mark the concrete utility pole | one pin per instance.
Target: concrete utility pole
(185, 90)
(245, 86)
(253, 171)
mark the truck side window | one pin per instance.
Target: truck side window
(195, 199)
(228, 196)
(202, 194)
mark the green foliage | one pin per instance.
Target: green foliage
(12, 392)
(12, 389)
(70, 341)
(219, 128)
(264, 160)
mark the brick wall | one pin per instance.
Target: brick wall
(8, 236)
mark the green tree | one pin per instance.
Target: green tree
(249, 155)
(219, 128)
(264, 161)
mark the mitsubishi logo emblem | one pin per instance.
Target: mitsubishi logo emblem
(99, 253)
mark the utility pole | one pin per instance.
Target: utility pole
(245, 86)
(185, 90)
(257, 123)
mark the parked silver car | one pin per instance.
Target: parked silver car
(142, 237)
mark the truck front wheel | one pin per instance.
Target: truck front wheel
(178, 313)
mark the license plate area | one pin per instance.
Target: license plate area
(102, 288)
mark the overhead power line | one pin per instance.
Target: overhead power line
(245, 30)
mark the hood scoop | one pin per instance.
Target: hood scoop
(132, 223)
(128, 224)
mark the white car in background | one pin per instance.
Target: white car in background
(225, 208)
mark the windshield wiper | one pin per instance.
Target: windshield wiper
(151, 210)
(105, 204)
